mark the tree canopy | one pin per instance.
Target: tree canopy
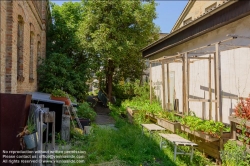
(66, 65)
(113, 32)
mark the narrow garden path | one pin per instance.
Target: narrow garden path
(103, 117)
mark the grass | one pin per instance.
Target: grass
(127, 146)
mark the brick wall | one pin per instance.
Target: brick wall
(17, 68)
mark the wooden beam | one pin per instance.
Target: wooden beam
(218, 81)
(150, 83)
(199, 53)
(183, 83)
(215, 88)
(235, 46)
(163, 85)
(188, 77)
(198, 58)
(186, 81)
(172, 56)
(168, 86)
(209, 45)
(238, 36)
(210, 87)
(202, 100)
(232, 97)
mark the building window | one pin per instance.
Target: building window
(187, 21)
(20, 38)
(31, 66)
(38, 57)
(38, 53)
(209, 8)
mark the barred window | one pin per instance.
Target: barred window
(20, 40)
(31, 65)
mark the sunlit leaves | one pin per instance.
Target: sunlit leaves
(118, 30)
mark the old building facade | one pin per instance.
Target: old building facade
(23, 42)
(205, 28)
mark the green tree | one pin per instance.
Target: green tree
(113, 32)
(67, 64)
(61, 34)
(57, 71)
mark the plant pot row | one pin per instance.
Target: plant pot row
(176, 126)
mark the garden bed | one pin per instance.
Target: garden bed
(239, 121)
(205, 136)
(130, 113)
(171, 126)
(240, 130)
(151, 117)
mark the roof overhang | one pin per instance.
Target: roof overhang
(225, 8)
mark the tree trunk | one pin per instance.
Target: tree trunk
(109, 79)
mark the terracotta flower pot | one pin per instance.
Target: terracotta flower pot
(65, 99)
(238, 131)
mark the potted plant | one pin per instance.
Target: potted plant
(60, 95)
(29, 136)
(86, 114)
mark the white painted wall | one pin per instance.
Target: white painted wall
(157, 81)
(235, 69)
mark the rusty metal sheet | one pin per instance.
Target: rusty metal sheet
(13, 114)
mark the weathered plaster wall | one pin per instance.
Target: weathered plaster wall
(199, 8)
(235, 68)
(239, 27)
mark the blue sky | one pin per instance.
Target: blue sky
(167, 12)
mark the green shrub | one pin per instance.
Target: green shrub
(59, 93)
(234, 155)
(84, 110)
(58, 71)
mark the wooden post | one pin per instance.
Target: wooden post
(210, 90)
(215, 89)
(188, 79)
(150, 72)
(183, 83)
(163, 85)
(168, 85)
(186, 82)
(218, 81)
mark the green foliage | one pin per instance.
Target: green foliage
(66, 65)
(57, 71)
(141, 102)
(244, 133)
(234, 155)
(127, 145)
(207, 126)
(58, 139)
(72, 98)
(59, 93)
(31, 126)
(61, 36)
(84, 110)
(123, 90)
(169, 116)
(130, 147)
(114, 32)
